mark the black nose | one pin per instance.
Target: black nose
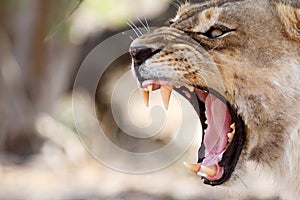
(140, 54)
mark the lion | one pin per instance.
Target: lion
(241, 58)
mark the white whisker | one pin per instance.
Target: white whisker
(142, 23)
(129, 24)
(136, 28)
(175, 5)
(212, 63)
(205, 72)
(148, 27)
(181, 3)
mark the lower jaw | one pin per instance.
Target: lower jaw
(219, 170)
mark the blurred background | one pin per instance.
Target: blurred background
(42, 45)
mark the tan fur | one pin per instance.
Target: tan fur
(256, 67)
(290, 18)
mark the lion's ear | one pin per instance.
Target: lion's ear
(289, 14)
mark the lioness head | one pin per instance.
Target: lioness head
(242, 60)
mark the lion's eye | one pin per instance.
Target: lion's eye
(216, 33)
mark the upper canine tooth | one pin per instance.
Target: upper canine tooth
(193, 167)
(230, 137)
(145, 94)
(210, 171)
(166, 94)
(150, 88)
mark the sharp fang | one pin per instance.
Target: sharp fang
(150, 88)
(191, 88)
(230, 137)
(192, 167)
(145, 94)
(209, 171)
(166, 94)
(206, 122)
(232, 126)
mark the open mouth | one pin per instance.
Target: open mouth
(223, 131)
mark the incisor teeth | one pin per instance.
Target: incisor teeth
(145, 94)
(193, 167)
(230, 137)
(209, 171)
(191, 88)
(166, 94)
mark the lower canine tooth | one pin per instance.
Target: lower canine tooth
(193, 167)
(230, 137)
(145, 94)
(232, 126)
(210, 171)
(166, 94)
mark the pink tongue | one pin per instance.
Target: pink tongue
(219, 120)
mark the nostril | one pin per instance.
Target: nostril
(141, 53)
